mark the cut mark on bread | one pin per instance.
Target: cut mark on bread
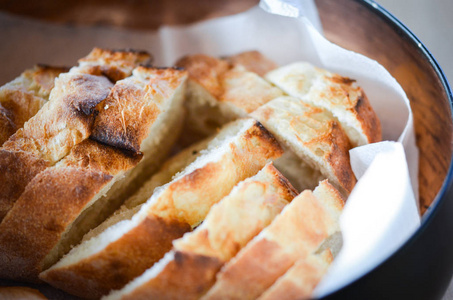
(339, 95)
(241, 149)
(297, 232)
(229, 225)
(301, 279)
(311, 134)
(219, 92)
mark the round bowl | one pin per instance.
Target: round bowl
(422, 268)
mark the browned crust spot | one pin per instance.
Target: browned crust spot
(127, 114)
(94, 156)
(368, 117)
(112, 268)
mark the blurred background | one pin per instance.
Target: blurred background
(431, 21)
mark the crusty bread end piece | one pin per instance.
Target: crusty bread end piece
(297, 232)
(340, 95)
(229, 225)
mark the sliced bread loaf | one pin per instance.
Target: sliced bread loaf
(297, 232)
(63, 122)
(123, 251)
(188, 271)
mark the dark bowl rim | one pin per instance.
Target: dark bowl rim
(441, 196)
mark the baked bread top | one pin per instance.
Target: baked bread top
(22, 98)
(340, 95)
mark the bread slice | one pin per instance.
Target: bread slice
(45, 220)
(188, 271)
(21, 98)
(312, 134)
(219, 92)
(301, 279)
(113, 64)
(254, 61)
(125, 250)
(63, 122)
(158, 97)
(340, 95)
(297, 232)
(143, 114)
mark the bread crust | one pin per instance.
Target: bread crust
(125, 117)
(51, 202)
(21, 98)
(178, 278)
(301, 279)
(230, 224)
(183, 204)
(297, 232)
(39, 217)
(113, 64)
(120, 261)
(313, 135)
(340, 95)
(17, 168)
(254, 61)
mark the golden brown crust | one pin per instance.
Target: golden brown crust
(52, 201)
(254, 61)
(180, 206)
(258, 269)
(301, 279)
(297, 232)
(42, 78)
(93, 156)
(179, 279)
(126, 116)
(120, 261)
(340, 95)
(21, 98)
(20, 293)
(65, 120)
(313, 135)
(206, 71)
(40, 216)
(246, 90)
(16, 170)
(113, 64)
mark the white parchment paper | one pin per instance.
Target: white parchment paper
(382, 211)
